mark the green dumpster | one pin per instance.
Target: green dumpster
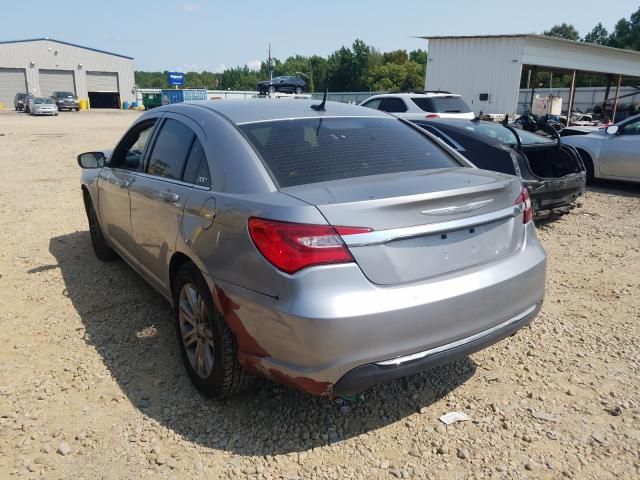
(151, 100)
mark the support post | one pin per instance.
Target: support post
(606, 95)
(533, 87)
(572, 93)
(615, 104)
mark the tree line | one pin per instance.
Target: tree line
(360, 67)
(625, 34)
(363, 67)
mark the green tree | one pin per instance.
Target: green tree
(565, 30)
(598, 35)
(418, 56)
(626, 33)
(395, 56)
(404, 77)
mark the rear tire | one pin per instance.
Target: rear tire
(208, 347)
(100, 246)
(272, 89)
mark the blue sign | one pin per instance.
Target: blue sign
(175, 78)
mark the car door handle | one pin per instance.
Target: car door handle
(124, 183)
(170, 197)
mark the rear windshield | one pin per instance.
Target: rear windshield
(504, 135)
(450, 104)
(303, 151)
(65, 94)
(528, 138)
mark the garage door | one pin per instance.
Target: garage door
(102, 82)
(56, 81)
(12, 81)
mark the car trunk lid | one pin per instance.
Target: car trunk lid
(424, 224)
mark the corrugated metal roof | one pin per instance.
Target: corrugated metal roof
(65, 43)
(529, 35)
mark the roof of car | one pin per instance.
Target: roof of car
(263, 109)
(418, 95)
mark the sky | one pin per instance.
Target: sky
(196, 35)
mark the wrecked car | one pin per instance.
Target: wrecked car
(325, 246)
(552, 172)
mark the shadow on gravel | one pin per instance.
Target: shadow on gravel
(615, 188)
(130, 326)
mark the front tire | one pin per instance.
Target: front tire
(207, 346)
(100, 246)
(298, 90)
(588, 163)
(272, 89)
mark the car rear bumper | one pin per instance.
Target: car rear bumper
(331, 330)
(362, 377)
(553, 194)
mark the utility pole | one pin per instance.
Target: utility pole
(270, 71)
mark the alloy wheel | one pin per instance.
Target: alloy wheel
(195, 330)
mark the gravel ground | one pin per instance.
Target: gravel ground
(91, 383)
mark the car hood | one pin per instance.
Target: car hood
(265, 82)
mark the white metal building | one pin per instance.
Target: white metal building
(43, 65)
(487, 70)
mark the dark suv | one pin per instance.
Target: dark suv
(66, 101)
(285, 84)
(20, 100)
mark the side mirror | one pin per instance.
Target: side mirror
(612, 130)
(91, 159)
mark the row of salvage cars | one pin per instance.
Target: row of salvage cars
(327, 246)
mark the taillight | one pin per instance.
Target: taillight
(294, 246)
(432, 116)
(524, 198)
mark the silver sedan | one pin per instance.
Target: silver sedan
(324, 247)
(612, 153)
(42, 106)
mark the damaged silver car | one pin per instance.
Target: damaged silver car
(327, 247)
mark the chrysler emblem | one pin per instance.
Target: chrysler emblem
(469, 207)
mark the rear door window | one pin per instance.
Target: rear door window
(450, 104)
(304, 151)
(197, 169)
(393, 105)
(169, 153)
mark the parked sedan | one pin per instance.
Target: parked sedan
(551, 171)
(327, 251)
(284, 84)
(42, 106)
(612, 153)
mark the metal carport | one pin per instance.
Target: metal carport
(487, 69)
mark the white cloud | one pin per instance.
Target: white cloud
(190, 7)
(221, 68)
(254, 64)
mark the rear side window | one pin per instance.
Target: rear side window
(170, 150)
(303, 151)
(450, 104)
(197, 169)
(393, 105)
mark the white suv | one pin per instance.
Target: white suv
(418, 106)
